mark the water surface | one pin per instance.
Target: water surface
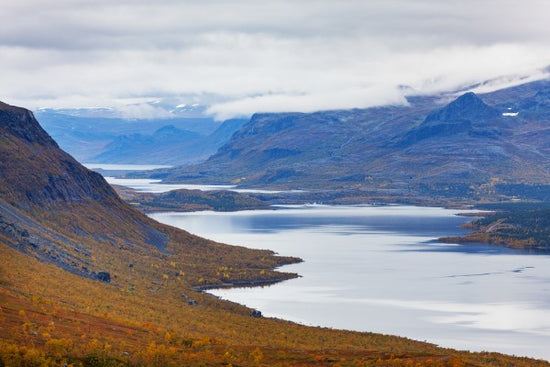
(157, 186)
(124, 167)
(380, 269)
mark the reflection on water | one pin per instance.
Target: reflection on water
(379, 269)
(124, 167)
(156, 186)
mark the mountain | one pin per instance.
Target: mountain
(468, 113)
(98, 136)
(167, 145)
(460, 147)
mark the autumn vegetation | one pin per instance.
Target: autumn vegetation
(518, 225)
(50, 317)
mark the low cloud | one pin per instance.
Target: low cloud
(309, 102)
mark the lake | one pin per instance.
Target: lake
(157, 186)
(124, 167)
(379, 269)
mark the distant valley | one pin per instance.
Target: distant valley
(101, 138)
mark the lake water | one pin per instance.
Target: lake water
(124, 167)
(156, 186)
(379, 269)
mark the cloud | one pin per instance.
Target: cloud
(246, 56)
(309, 102)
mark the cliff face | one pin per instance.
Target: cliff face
(48, 201)
(20, 123)
(35, 172)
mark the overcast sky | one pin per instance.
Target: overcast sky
(247, 56)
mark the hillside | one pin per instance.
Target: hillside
(87, 280)
(46, 193)
(523, 226)
(470, 146)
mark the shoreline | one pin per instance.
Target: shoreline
(255, 283)
(244, 283)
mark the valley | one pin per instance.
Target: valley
(96, 135)
(282, 183)
(118, 288)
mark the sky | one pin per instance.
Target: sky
(245, 56)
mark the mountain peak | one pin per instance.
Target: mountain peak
(167, 129)
(34, 171)
(6, 107)
(466, 107)
(466, 114)
(21, 123)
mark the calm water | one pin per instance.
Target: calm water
(156, 186)
(124, 167)
(379, 269)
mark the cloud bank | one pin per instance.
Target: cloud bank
(247, 56)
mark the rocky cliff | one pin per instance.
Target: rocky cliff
(35, 172)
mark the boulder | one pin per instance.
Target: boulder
(256, 313)
(104, 276)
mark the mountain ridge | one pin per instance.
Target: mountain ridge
(401, 150)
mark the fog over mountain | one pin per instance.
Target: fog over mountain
(470, 146)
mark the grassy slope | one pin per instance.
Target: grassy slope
(67, 317)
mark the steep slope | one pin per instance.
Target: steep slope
(35, 172)
(407, 150)
(57, 210)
